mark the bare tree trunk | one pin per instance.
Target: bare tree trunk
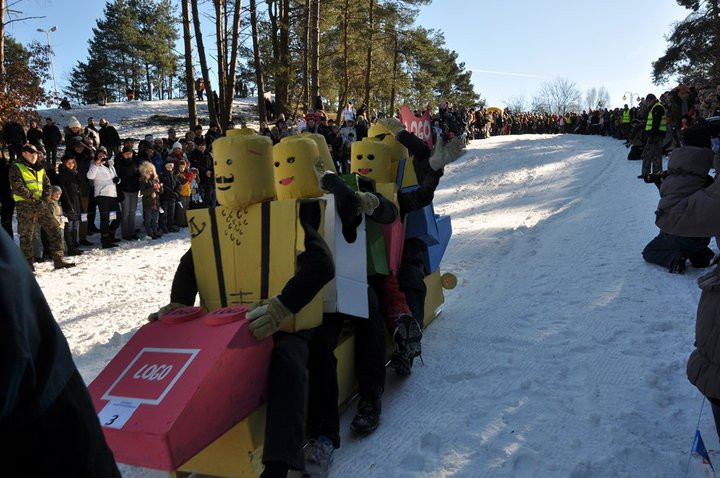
(314, 53)
(234, 46)
(346, 73)
(2, 45)
(716, 23)
(306, 56)
(259, 80)
(391, 113)
(368, 65)
(221, 57)
(203, 65)
(282, 79)
(189, 74)
(149, 82)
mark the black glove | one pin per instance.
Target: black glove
(116, 180)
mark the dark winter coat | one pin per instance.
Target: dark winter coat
(35, 136)
(203, 162)
(83, 161)
(109, 138)
(150, 190)
(70, 200)
(51, 135)
(688, 208)
(13, 133)
(171, 186)
(127, 171)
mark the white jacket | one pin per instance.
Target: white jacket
(102, 178)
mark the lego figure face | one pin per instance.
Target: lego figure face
(243, 170)
(371, 158)
(323, 149)
(398, 151)
(294, 168)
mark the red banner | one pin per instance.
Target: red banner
(420, 127)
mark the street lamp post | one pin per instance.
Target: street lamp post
(631, 97)
(52, 66)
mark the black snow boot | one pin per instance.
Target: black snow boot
(367, 418)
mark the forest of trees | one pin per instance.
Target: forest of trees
(366, 51)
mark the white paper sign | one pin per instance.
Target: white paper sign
(117, 412)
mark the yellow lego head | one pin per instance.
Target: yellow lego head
(294, 168)
(246, 132)
(398, 152)
(371, 158)
(323, 149)
(243, 170)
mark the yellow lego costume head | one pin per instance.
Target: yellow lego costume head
(293, 164)
(372, 158)
(323, 149)
(243, 170)
(398, 152)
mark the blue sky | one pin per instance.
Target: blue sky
(512, 46)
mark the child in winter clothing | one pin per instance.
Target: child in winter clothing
(185, 178)
(150, 188)
(69, 181)
(169, 198)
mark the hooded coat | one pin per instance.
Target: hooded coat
(690, 207)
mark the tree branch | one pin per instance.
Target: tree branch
(21, 20)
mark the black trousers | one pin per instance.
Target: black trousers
(66, 441)
(105, 204)
(411, 278)
(7, 206)
(665, 247)
(323, 415)
(287, 384)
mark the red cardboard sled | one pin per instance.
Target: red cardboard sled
(179, 384)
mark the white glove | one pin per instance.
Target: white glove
(393, 125)
(447, 153)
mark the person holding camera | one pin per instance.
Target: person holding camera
(102, 174)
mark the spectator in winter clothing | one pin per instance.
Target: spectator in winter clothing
(102, 174)
(68, 181)
(200, 88)
(185, 178)
(176, 154)
(150, 189)
(168, 198)
(46, 413)
(655, 129)
(35, 135)
(109, 137)
(51, 138)
(128, 172)
(212, 134)
(693, 210)
(31, 190)
(57, 210)
(202, 160)
(198, 131)
(83, 157)
(14, 137)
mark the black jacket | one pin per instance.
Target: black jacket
(171, 186)
(13, 133)
(204, 163)
(428, 179)
(109, 137)
(315, 268)
(127, 171)
(51, 135)
(70, 200)
(35, 136)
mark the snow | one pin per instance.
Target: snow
(560, 352)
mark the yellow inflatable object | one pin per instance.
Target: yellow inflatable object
(246, 131)
(493, 109)
(371, 158)
(294, 169)
(247, 255)
(243, 170)
(323, 149)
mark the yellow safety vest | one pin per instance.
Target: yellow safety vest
(626, 116)
(33, 181)
(663, 122)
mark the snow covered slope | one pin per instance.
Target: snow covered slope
(560, 353)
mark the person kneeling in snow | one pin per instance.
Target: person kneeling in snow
(695, 212)
(687, 173)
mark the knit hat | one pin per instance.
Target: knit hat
(56, 189)
(177, 145)
(127, 149)
(74, 123)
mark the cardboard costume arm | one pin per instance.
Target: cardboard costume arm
(315, 265)
(418, 198)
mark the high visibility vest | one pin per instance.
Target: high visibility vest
(33, 181)
(626, 116)
(663, 121)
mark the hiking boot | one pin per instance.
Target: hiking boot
(677, 265)
(408, 335)
(318, 457)
(401, 363)
(61, 264)
(367, 418)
